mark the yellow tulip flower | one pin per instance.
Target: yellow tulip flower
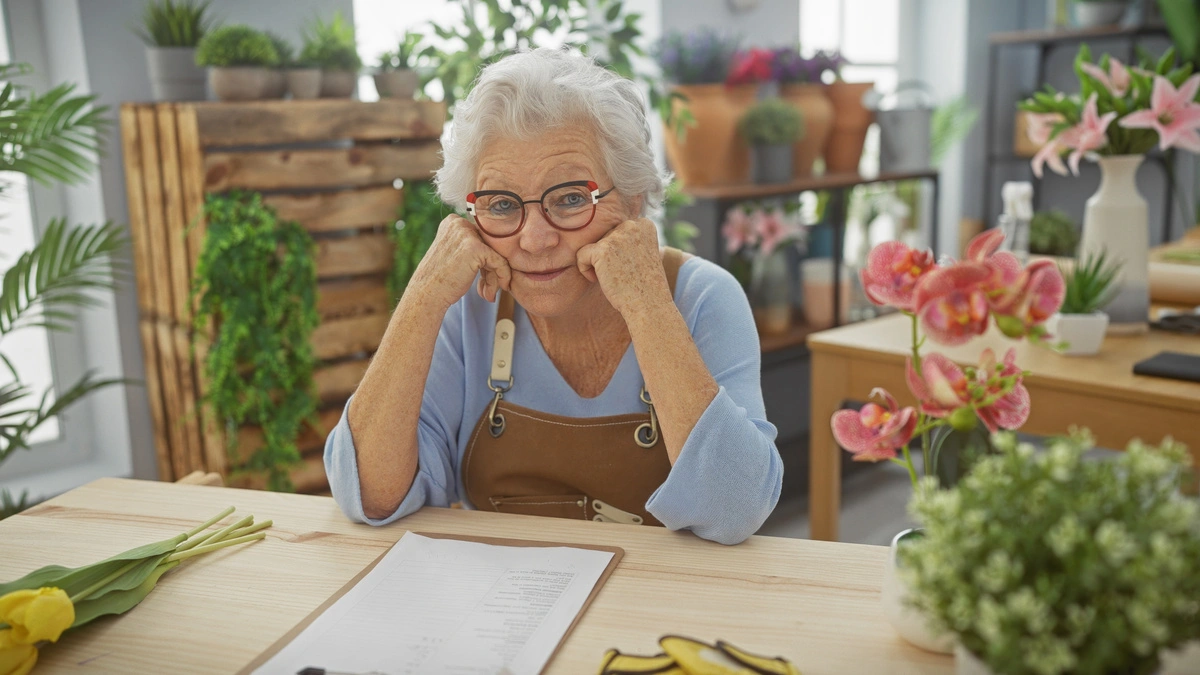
(37, 615)
(16, 658)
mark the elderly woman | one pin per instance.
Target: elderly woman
(591, 374)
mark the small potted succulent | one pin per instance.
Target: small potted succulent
(330, 45)
(171, 30)
(771, 127)
(277, 76)
(1094, 13)
(1079, 324)
(238, 59)
(397, 76)
(1054, 562)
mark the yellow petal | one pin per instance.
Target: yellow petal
(699, 658)
(16, 658)
(629, 664)
(763, 664)
(36, 615)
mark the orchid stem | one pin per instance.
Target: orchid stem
(912, 473)
(916, 345)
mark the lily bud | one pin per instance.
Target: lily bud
(963, 419)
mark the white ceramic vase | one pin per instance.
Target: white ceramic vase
(1116, 221)
(1083, 333)
(908, 622)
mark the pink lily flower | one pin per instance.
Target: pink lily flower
(738, 231)
(1173, 113)
(1116, 80)
(892, 271)
(1040, 126)
(951, 302)
(772, 229)
(1005, 401)
(941, 387)
(1021, 306)
(1090, 134)
(874, 433)
(1051, 153)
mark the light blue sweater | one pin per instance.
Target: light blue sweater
(727, 478)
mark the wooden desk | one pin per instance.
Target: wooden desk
(814, 602)
(1099, 392)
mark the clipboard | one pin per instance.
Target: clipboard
(617, 554)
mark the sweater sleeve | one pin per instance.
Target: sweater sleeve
(438, 423)
(728, 477)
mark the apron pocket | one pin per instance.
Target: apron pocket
(554, 506)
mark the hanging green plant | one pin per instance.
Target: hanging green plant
(413, 234)
(257, 280)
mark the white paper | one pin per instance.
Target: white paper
(449, 606)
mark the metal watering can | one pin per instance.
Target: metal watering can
(905, 119)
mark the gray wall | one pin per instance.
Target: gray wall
(116, 72)
(774, 23)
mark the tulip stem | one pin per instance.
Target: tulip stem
(208, 548)
(208, 523)
(82, 595)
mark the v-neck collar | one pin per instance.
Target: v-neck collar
(545, 364)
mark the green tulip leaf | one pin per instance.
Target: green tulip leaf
(76, 579)
(120, 601)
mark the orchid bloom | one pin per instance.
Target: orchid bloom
(874, 433)
(1116, 80)
(951, 302)
(738, 231)
(892, 271)
(1173, 113)
(1022, 306)
(1000, 398)
(1090, 134)
(940, 387)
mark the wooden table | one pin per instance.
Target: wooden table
(815, 602)
(1099, 392)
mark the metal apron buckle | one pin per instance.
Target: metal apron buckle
(496, 419)
(646, 434)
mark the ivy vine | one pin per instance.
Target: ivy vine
(420, 215)
(257, 280)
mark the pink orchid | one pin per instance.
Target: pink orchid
(874, 433)
(1004, 402)
(1116, 80)
(738, 231)
(892, 271)
(1024, 304)
(1173, 113)
(940, 387)
(1090, 134)
(951, 302)
(1040, 126)
(772, 228)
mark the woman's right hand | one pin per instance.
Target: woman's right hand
(456, 256)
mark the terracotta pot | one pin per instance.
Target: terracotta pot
(243, 83)
(712, 153)
(338, 83)
(850, 122)
(817, 110)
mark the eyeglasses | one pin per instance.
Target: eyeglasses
(566, 206)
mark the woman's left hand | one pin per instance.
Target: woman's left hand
(628, 264)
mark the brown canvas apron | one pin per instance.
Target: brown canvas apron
(529, 462)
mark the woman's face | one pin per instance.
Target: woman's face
(546, 281)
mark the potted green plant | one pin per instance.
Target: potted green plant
(1079, 324)
(1093, 13)
(396, 76)
(330, 45)
(171, 30)
(1053, 233)
(771, 127)
(238, 58)
(1052, 562)
(277, 77)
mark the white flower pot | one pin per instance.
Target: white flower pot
(966, 663)
(304, 83)
(174, 75)
(1083, 333)
(908, 622)
(238, 83)
(397, 83)
(1116, 221)
(1092, 14)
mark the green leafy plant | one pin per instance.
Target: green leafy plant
(283, 48)
(1050, 562)
(174, 23)
(1182, 18)
(951, 122)
(257, 280)
(1089, 284)
(413, 234)
(771, 122)
(330, 45)
(677, 233)
(1053, 233)
(52, 137)
(236, 45)
(405, 55)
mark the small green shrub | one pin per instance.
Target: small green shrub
(1089, 284)
(1053, 233)
(236, 45)
(331, 45)
(283, 48)
(172, 23)
(771, 122)
(405, 56)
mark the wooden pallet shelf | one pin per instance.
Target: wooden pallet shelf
(330, 165)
